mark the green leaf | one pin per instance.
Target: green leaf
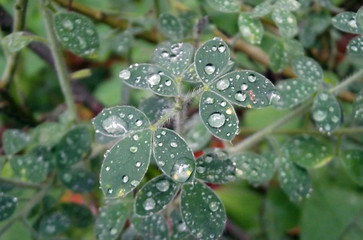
(111, 219)
(125, 164)
(179, 229)
(225, 5)
(49, 133)
(197, 135)
(122, 43)
(53, 224)
(262, 9)
(153, 227)
(218, 115)
(288, 5)
(73, 147)
(286, 22)
(8, 205)
(211, 59)
(359, 19)
(215, 166)
(355, 46)
(78, 180)
(358, 106)
(173, 57)
(119, 121)
(131, 234)
(246, 88)
(312, 26)
(155, 196)
(293, 92)
(16, 41)
(79, 215)
(255, 168)
(278, 57)
(308, 69)
(14, 140)
(346, 22)
(294, 180)
(31, 167)
(326, 112)
(173, 156)
(163, 87)
(155, 107)
(170, 26)
(190, 75)
(76, 32)
(250, 28)
(352, 161)
(202, 211)
(308, 151)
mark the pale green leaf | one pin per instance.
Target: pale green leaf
(228, 6)
(16, 41)
(262, 9)
(352, 161)
(359, 19)
(355, 46)
(308, 69)
(170, 26)
(278, 57)
(190, 75)
(286, 22)
(30, 167)
(15, 140)
(251, 29)
(358, 106)
(122, 42)
(288, 5)
(346, 22)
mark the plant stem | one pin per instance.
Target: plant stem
(20, 184)
(60, 65)
(341, 131)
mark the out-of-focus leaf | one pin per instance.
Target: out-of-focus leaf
(355, 46)
(286, 22)
(170, 26)
(153, 227)
(53, 223)
(15, 140)
(78, 180)
(352, 161)
(250, 28)
(346, 22)
(155, 107)
(7, 206)
(225, 5)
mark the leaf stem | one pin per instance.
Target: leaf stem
(20, 184)
(60, 65)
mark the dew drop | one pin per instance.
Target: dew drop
(209, 100)
(244, 86)
(221, 48)
(164, 54)
(182, 169)
(319, 115)
(125, 179)
(163, 185)
(323, 96)
(133, 149)
(273, 96)
(68, 25)
(125, 74)
(222, 84)
(154, 79)
(352, 22)
(251, 78)
(138, 123)
(113, 231)
(173, 144)
(209, 69)
(115, 125)
(239, 96)
(213, 206)
(149, 204)
(216, 120)
(168, 83)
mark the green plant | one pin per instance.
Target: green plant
(175, 164)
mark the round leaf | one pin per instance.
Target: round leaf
(253, 167)
(153, 227)
(307, 151)
(122, 42)
(119, 121)
(359, 19)
(14, 140)
(170, 26)
(218, 116)
(76, 32)
(246, 88)
(16, 41)
(352, 161)
(125, 164)
(346, 22)
(262, 9)
(250, 28)
(286, 22)
(79, 215)
(326, 112)
(355, 46)
(155, 107)
(278, 59)
(215, 167)
(308, 69)
(173, 156)
(31, 167)
(293, 92)
(7, 206)
(164, 87)
(53, 223)
(211, 59)
(190, 75)
(155, 195)
(179, 229)
(173, 57)
(202, 211)
(288, 5)
(225, 5)
(78, 180)
(358, 106)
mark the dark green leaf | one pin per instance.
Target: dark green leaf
(308, 69)
(30, 167)
(179, 229)
(358, 105)
(53, 223)
(14, 140)
(215, 167)
(78, 180)
(278, 58)
(79, 215)
(355, 46)
(16, 41)
(76, 32)
(170, 26)
(153, 227)
(286, 22)
(202, 211)
(346, 22)
(190, 75)
(218, 115)
(250, 28)
(7, 206)
(352, 161)
(225, 5)
(173, 156)
(125, 164)
(155, 195)
(155, 107)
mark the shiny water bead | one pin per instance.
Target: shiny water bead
(225, 5)
(346, 22)
(352, 161)
(170, 26)
(309, 70)
(251, 29)
(286, 22)
(355, 46)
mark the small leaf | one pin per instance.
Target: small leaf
(30, 167)
(358, 106)
(262, 9)
(359, 19)
(288, 5)
(163, 87)
(202, 211)
(190, 75)
(155, 107)
(278, 58)
(125, 164)
(155, 195)
(173, 156)
(76, 32)
(215, 167)
(119, 121)
(197, 135)
(153, 227)
(7, 206)
(250, 28)
(16, 41)
(73, 146)
(111, 219)
(355, 46)
(352, 161)
(294, 180)
(53, 224)
(308, 69)
(122, 42)
(293, 92)
(218, 115)
(225, 5)
(246, 88)
(211, 59)
(286, 22)
(78, 180)
(14, 141)
(346, 22)
(170, 26)
(80, 215)
(307, 151)
(312, 26)
(173, 57)
(326, 112)
(255, 168)
(179, 229)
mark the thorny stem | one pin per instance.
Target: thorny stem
(60, 65)
(260, 135)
